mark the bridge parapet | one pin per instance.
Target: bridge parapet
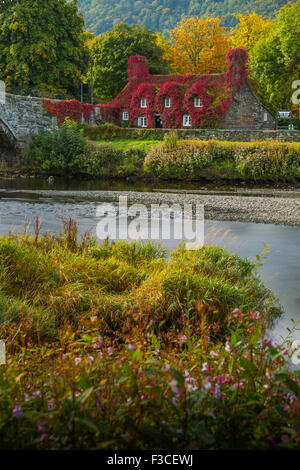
(21, 117)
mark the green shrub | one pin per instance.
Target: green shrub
(268, 161)
(109, 161)
(185, 158)
(59, 148)
(193, 159)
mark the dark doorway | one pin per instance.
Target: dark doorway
(158, 122)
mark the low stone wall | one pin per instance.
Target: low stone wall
(235, 135)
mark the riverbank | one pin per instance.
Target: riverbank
(67, 150)
(271, 206)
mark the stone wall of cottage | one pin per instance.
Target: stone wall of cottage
(245, 111)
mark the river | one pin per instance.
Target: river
(24, 199)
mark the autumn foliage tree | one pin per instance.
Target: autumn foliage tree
(250, 29)
(198, 45)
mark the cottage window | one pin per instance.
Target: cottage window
(265, 116)
(186, 121)
(142, 121)
(167, 102)
(125, 116)
(197, 103)
(143, 103)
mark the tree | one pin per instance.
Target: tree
(250, 29)
(198, 46)
(111, 52)
(162, 15)
(42, 45)
(275, 60)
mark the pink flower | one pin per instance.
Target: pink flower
(50, 404)
(239, 384)
(173, 384)
(77, 360)
(284, 438)
(237, 313)
(206, 383)
(255, 315)
(90, 360)
(204, 367)
(17, 412)
(156, 352)
(110, 351)
(227, 346)
(182, 338)
(216, 391)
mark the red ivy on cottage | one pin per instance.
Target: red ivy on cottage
(144, 91)
(171, 117)
(110, 112)
(237, 67)
(214, 91)
(197, 90)
(72, 109)
(138, 69)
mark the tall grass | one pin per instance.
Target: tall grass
(253, 161)
(63, 280)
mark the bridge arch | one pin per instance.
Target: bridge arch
(5, 129)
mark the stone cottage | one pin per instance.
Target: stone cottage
(224, 100)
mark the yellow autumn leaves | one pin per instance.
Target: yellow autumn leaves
(199, 45)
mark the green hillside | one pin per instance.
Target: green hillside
(161, 15)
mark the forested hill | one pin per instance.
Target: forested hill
(161, 15)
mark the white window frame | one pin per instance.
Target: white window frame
(167, 102)
(142, 121)
(186, 120)
(197, 102)
(125, 116)
(265, 116)
(143, 103)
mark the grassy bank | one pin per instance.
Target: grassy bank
(59, 280)
(67, 150)
(118, 347)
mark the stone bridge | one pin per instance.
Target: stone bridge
(20, 117)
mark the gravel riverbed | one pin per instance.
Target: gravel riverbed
(281, 207)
